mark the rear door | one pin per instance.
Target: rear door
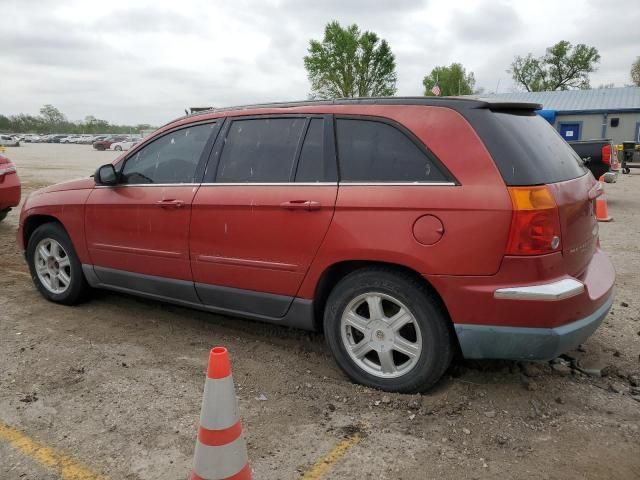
(262, 212)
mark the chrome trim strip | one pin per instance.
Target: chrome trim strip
(322, 184)
(134, 250)
(266, 184)
(548, 292)
(287, 184)
(396, 184)
(126, 185)
(245, 262)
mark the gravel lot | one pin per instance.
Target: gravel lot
(117, 382)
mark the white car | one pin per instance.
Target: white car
(123, 146)
(9, 141)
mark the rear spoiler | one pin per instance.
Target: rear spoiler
(496, 104)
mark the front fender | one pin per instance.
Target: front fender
(65, 207)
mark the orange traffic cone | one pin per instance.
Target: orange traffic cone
(602, 210)
(221, 451)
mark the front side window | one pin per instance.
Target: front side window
(372, 151)
(172, 158)
(260, 150)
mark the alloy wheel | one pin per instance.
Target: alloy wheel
(52, 266)
(381, 335)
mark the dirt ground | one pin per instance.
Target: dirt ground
(117, 382)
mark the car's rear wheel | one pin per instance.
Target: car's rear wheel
(54, 265)
(388, 331)
(118, 148)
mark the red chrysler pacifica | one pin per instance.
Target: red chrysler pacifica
(405, 228)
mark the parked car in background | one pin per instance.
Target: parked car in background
(57, 138)
(363, 218)
(123, 146)
(87, 139)
(105, 144)
(9, 187)
(599, 156)
(9, 141)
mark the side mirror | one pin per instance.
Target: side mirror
(106, 175)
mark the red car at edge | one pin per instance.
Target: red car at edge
(407, 229)
(9, 187)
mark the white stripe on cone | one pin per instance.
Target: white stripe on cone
(215, 463)
(219, 406)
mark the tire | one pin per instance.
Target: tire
(626, 171)
(428, 333)
(4, 213)
(118, 148)
(48, 236)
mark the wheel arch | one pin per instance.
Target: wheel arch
(32, 222)
(337, 271)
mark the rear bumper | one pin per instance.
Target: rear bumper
(524, 343)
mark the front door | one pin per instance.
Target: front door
(570, 131)
(262, 212)
(138, 231)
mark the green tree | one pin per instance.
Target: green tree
(563, 67)
(348, 63)
(51, 115)
(452, 80)
(635, 72)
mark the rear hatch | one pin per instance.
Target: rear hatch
(528, 151)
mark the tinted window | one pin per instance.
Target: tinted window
(173, 158)
(314, 164)
(260, 150)
(527, 149)
(370, 151)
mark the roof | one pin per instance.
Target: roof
(575, 101)
(457, 103)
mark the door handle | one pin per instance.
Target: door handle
(170, 203)
(301, 205)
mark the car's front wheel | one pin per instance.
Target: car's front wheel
(4, 213)
(388, 331)
(118, 148)
(54, 265)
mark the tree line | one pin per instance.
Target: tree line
(52, 120)
(350, 63)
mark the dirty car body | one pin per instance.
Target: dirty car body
(405, 228)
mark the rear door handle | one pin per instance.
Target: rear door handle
(172, 203)
(301, 205)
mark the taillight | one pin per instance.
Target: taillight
(7, 168)
(535, 223)
(606, 154)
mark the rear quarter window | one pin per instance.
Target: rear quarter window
(527, 149)
(375, 151)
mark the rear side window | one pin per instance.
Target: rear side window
(371, 151)
(528, 150)
(315, 163)
(260, 150)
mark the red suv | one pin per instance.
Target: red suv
(406, 228)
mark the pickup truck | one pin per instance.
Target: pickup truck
(599, 156)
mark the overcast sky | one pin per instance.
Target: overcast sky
(144, 61)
